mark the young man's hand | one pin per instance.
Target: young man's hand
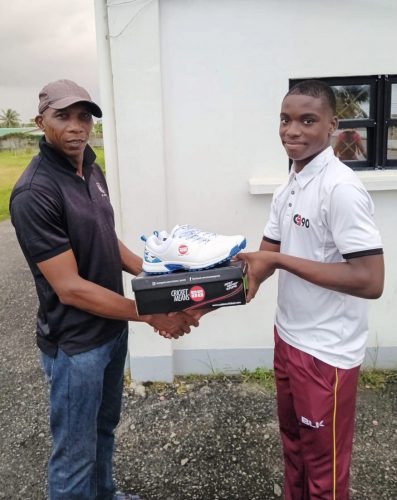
(196, 314)
(171, 327)
(261, 265)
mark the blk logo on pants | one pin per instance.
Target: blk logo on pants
(313, 425)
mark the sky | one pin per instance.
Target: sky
(42, 41)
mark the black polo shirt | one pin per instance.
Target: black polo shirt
(54, 210)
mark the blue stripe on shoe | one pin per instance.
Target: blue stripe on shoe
(174, 267)
(152, 273)
(154, 260)
(236, 249)
(150, 258)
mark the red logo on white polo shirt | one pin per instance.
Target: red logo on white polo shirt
(197, 293)
(301, 221)
(183, 249)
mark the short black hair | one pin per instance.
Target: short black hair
(315, 88)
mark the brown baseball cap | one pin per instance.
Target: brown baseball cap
(63, 93)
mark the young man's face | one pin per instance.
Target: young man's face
(306, 126)
(67, 129)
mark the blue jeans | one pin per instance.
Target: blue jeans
(85, 405)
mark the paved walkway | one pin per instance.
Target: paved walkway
(23, 406)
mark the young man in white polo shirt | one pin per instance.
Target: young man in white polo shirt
(322, 238)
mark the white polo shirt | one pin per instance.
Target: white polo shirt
(324, 214)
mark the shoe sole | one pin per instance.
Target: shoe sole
(170, 267)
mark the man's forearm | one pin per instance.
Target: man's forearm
(98, 300)
(361, 277)
(131, 262)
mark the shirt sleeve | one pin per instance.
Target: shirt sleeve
(272, 230)
(352, 222)
(38, 221)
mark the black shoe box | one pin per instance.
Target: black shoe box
(224, 285)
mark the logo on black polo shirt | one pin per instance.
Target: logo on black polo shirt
(301, 221)
(101, 189)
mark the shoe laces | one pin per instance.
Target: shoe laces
(160, 236)
(193, 233)
(185, 231)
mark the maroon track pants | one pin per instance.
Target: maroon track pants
(316, 410)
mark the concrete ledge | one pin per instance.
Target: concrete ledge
(152, 369)
(383, 358)
(373, 180)
(379, 180)
(229, 362)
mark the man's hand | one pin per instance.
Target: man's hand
(197, 314)
(171, 327)
(261, 265)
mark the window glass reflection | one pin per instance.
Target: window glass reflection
(392, 144)
(350, 144)
(393, 110)
(352, 101)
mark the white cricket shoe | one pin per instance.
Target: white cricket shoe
(188, 248)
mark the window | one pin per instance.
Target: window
(367, 110)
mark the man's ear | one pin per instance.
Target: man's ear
(333, 125)
(39, 121)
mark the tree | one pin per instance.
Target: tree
(98, 128)
(9, 119)
(350, 100)
(30, 123)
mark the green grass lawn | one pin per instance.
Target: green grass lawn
(12, 164)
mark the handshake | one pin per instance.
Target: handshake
(174, 325)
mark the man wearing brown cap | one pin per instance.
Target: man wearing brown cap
(65, 225)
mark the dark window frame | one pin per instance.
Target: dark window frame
(377, 124)
(389, 121)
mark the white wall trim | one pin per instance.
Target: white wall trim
(373, 180)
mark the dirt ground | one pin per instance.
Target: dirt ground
(202, 439)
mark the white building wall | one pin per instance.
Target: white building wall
(197, 88)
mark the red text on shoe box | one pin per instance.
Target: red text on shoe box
(220, 286)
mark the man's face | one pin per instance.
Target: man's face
(67, 129)
(306, 125)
